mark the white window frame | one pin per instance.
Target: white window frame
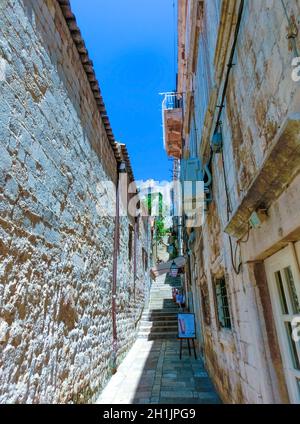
(278, 262)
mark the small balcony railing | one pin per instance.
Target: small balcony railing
(172, 124)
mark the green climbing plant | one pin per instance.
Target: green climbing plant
(160, 229)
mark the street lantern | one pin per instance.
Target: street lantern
(173, 270)
(122, 168)
(170, 249)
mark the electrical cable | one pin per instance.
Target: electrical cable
(228, 203)
(248, 235)
(236, 268)
(230, 63)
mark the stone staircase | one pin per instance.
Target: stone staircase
(159, 320)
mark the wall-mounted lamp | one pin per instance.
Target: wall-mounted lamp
(217, 141)
(258, 217)
(122, 168)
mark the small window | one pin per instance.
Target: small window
(205, 304)
(293, 346)
(281, 293)
(145, 259)
(130, 238)
(292, 290)
(222, 304)
(137, 227)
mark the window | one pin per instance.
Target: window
(145, 259)
(284, 285)
(289, 305)
(294, 350)
(292, 290)
(205, 303)
(130, 238)
(222, 304)
(137, 227)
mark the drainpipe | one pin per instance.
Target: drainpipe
(179, 235)
(135, 254)
(121, 169)
(230, 63)
(114, 282)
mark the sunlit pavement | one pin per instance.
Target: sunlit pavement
(152, 373)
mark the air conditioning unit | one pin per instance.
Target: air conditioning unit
(191, 170)
(192, 180)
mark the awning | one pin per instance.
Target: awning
(165, 267)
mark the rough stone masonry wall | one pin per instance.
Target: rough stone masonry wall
(132, 290)
(261, 94)
(55, 249)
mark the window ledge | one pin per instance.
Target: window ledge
(280, 167)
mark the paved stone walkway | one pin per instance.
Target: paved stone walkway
(153, 373)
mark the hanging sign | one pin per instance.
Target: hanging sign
(186, 326)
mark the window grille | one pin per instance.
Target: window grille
(222, 304)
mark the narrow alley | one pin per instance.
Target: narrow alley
(152, 372)
(149, 203)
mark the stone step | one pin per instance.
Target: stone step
(159, 317)
(159, 324)
(164, 288)
(167, 286)
(161, 289)
(159, 330)
(158, 336)
(159, 321)
(163, 310)
(161, 292)
(156, 313)
(159, 296)
(161, 307)
(166, 301)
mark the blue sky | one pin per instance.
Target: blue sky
(131, 43)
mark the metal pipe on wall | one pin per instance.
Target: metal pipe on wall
(114, 282)
(135, 254)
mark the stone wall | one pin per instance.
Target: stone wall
(260, 125)
(133, 288)
(56, 250)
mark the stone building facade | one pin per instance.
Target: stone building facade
(241, 119)
(58, 251)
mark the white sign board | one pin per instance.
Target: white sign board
(186, 326)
